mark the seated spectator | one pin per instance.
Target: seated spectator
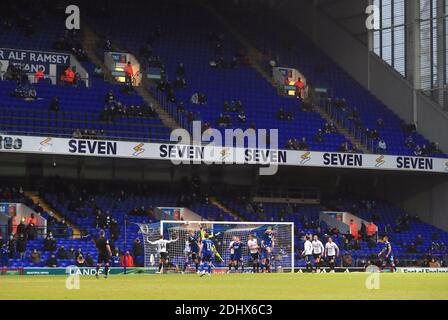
(21, 245)
(281, 114)
(4, 256)
(35, 256)
(382, 147)
(223, 120)
(434, 148)
(419, 240)
(108, 45)
(180, 83)
(78, 253)
(227, 107)
(434, 263)
(89, 260)
(62, 228)
(411, 248)
(49, 243)
(380, 122)
(409, 142)
(425, 150)
(127, 260)
(110, 97)
(54, 104)
(347, 260)
(80, 261)
(62, 253)
(98, 72)
(319, 137)
(290, 144)
(12, 247)
(180, 70)
(303, 145)
(51, 262)
(417, 151)
(31, 231)
(241, 117)
(344, 147)
(115, 260)
(25, 91)
(137, 248)
(114, 230)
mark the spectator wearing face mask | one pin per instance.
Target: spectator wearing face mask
(52, 262)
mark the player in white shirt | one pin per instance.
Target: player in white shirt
(252, 244)
(318, 252)
(331, 252)
(307, 252)
(162, 250)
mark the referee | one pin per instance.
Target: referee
(104, 253)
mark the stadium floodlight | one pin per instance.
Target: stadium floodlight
(221, 233)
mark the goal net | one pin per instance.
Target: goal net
(221, 233)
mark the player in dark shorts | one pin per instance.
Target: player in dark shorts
(387, 254)
(193, 251)
(104, 253)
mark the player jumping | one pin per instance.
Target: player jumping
(318, 251)
(386, 254)
(162, 251)
(331, 252)
(236, 257)
(252, 244)
(267, 245)
(207, 251)
(211, 237)
(104, 253)
(191, 251)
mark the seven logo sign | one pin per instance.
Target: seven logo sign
(45, 144)
(373, 19)
(380, 161)
(305, 157)
(138, 149)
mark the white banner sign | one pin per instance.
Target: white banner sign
(423, 270)
(196, 154)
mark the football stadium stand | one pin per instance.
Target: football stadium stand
(89, 210)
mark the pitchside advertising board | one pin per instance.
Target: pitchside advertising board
(196, 154)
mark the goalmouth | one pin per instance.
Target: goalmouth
(221, 233)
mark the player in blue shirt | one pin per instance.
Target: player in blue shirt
(387, 254)
(236, 254)
(267, 245)
(207, 252)
(191, 250)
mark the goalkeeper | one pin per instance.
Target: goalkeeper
(212, 237)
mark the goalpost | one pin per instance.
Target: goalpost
(221, 233)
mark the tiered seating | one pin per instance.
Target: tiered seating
(79, 107)
(184, 39)
(273, 35)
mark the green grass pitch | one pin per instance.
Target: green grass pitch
(229, 286)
